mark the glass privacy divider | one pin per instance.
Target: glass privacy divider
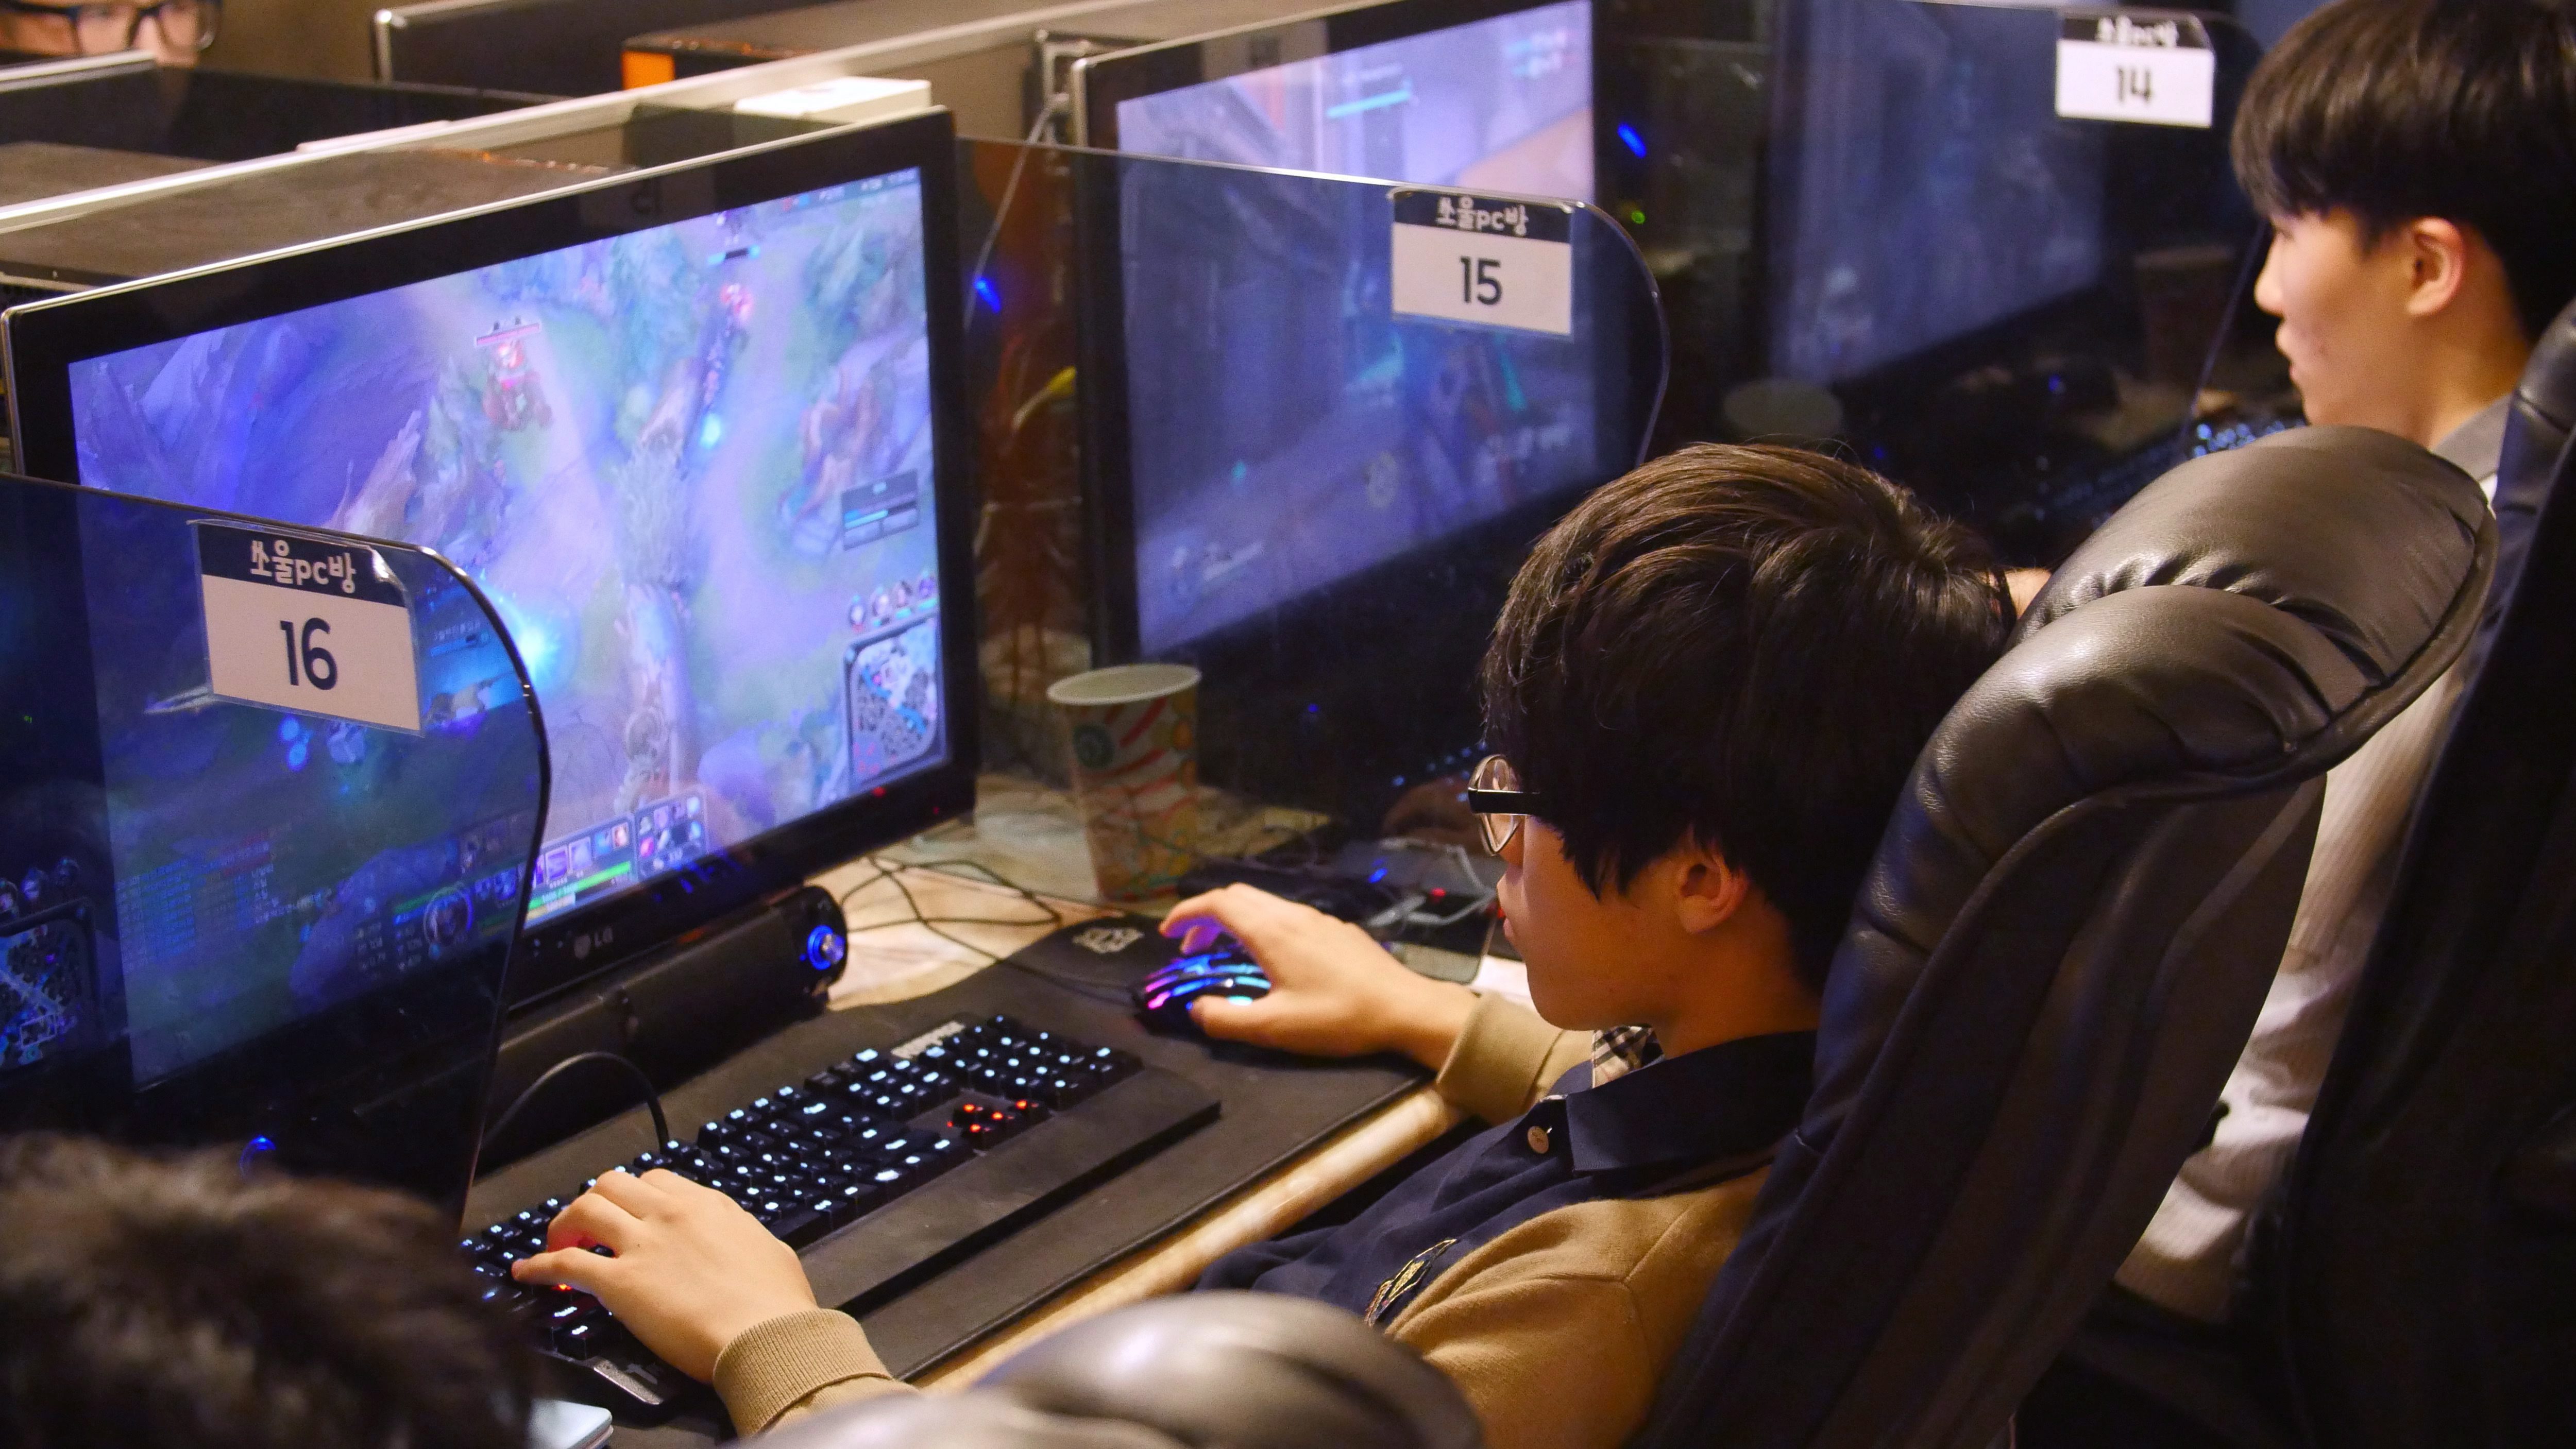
(268, 799)
(1295, 430)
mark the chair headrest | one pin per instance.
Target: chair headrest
(2535, 447)
(2243, 619)
(1244, 1370)
(2544, 403)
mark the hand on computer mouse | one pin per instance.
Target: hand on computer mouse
(1334, 991)
(693, 1271)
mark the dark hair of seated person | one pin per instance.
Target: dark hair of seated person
(2463, 110)
(1748, 645)
(174, 1303)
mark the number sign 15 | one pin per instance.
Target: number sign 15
(313, 625)
(1491, 261)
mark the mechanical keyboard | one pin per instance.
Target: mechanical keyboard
(880, 1169)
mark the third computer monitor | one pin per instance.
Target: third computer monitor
(1475, 94)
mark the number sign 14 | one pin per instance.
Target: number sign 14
(312, 625)
(1489, 261)
(2152, 66)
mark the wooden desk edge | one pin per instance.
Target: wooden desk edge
(1259, 1212)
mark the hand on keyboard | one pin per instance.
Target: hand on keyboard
(692, 1270)
(1334, 991)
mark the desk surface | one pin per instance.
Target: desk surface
(935, 910)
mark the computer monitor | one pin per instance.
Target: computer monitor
(1315, 499)
(2013, 312)
(1926, 188)
(692, 430)
(1486, 95)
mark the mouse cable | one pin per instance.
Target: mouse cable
(652, 1095)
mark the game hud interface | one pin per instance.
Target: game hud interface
(1287, 430)
(1500, 105)
(1937, 191)
(692, 466)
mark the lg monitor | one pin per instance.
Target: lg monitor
(1485, 95)
(690, 428)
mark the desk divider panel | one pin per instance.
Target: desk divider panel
(261, 891)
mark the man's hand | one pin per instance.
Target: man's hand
(692, 1270)
(1334, 992)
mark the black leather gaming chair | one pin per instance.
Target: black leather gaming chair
(2071, 923)
(2535, 448)
(1202, 1371)
(2422, 1273)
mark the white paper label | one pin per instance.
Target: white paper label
(2142, 66)
(310, 625)
(1484, 261)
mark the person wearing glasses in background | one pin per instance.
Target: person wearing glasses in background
(1707, 685)
(175, 31)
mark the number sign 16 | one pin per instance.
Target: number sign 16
(313, 625)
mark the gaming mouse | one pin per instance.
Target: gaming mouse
(1163, 997)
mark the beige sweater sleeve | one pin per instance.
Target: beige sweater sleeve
(1506, 1059)
(1559, 1330)
(796, 1365)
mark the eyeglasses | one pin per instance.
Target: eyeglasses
(96, 29)
(1496, 799)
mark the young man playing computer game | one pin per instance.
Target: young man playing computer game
(1707, 686)
(2417, 160)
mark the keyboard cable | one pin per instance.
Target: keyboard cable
(652, 1096)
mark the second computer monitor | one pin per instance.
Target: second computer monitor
(1487, 95)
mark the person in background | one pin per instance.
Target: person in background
(2417, 161)
(175, 31)
(1707, 686)
(173, 1303)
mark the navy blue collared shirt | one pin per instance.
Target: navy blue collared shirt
(1635, 1134)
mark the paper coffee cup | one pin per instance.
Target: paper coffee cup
(1134, 729)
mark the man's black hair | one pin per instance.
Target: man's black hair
(159, 1303)
(2463, 110)
(1743, 645)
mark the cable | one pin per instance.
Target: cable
(1082, 986)
(652, 1096)
(1056, 105)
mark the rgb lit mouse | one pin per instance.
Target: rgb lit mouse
(1164, 996)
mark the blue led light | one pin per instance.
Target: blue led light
(1629, 138)
(984, 289)
(258, 1147)
(824, 948)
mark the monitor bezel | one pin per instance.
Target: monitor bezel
(44, 339)
(1100, 82)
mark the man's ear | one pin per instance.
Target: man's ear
(2439, 253)
(1708, 889)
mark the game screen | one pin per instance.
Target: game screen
(1932, 188)
(1500, 105)
(1286, 429)
(692, 466)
